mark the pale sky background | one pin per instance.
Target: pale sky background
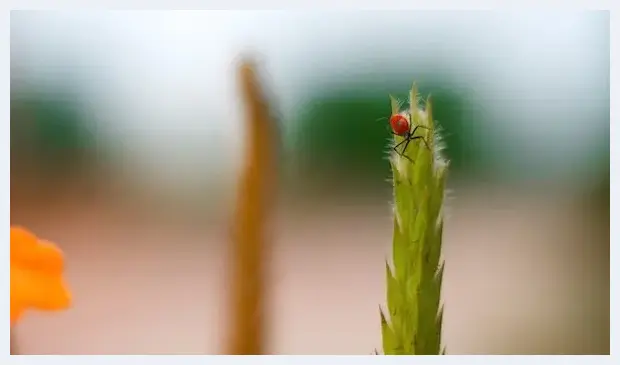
(164, 84)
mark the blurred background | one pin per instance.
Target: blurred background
(126, 141)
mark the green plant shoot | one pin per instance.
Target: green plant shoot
(414, 279)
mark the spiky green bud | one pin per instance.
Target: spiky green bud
(415, 276)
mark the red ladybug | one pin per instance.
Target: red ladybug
(402, 127)
(399, 124)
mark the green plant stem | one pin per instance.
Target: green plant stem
(414, 279)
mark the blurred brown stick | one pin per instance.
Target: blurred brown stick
(254, 201)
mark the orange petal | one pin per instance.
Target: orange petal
(36, 275)
(39, 290)
(20, 238)
(29, 252)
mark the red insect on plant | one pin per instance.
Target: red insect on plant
(401, 126)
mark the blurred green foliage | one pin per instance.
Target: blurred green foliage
(49, 131)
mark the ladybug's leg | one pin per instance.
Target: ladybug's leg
(420, 137)
(423, 140)
(401, 142)
(408, 140)
(419, 126)
(402, 152)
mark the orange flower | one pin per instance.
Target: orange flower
(36, 275)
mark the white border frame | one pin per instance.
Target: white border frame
(358, 4)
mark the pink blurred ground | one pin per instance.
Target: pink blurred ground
(518, 280)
